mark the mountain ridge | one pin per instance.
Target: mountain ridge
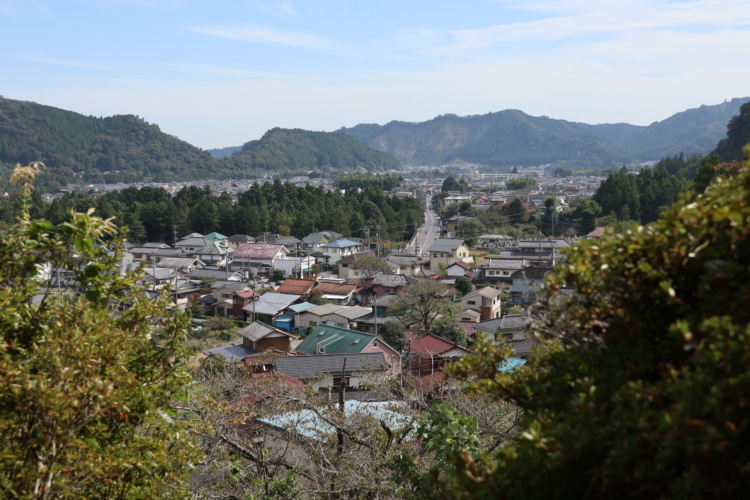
(512, 137)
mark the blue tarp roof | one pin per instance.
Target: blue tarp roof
(511, 364)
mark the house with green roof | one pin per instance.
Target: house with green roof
(327, 339)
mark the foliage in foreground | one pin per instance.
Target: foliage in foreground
(87, 378)
(643, 388)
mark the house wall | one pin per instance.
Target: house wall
(391, 357)
(369, 378)
(448, 258)
(282, 343)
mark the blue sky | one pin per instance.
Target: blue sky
(219, 73)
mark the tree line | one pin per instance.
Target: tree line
(152, 214)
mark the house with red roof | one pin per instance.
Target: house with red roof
(431, 353)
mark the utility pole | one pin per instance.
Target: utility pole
(378, 242)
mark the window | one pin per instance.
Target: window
(471, 302)
(375, 344)
(313, 323)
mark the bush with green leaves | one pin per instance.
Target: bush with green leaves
(88, 377)
(641, 388)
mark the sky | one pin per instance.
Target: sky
(219, 73)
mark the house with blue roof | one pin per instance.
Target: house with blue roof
(337, 250)
(327, 339)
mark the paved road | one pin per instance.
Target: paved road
(425, 234)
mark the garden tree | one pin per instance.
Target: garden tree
(421, 304)
(450, 184)
(641, 388)
(88, 378)
(392, 332)
(587, 211)
(463, 285)
(320, 449)
(367, 265)
(516, 211)
(472, 228)
(326, 451)
(449, 330)
(520, 183)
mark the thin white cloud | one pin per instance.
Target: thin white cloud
(605, 18)
(263, 34)
(67, 62)
(287, 8)
(283, 8)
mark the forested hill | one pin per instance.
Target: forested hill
(77, 148)
(292, 150)
(738, 136)
(512, 137)
(125, 148)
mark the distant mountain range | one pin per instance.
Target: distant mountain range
(125, 148)
(513, 138)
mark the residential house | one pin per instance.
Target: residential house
(454, 224)
(240, 300)
(409, 265)
(256, 339)
(259, 258)
(191, 243)
(327, 339)
(261, 337)
(469, 316)
(214, 274)
(432, 353)
(347, 266)
(331, 314)
(296, 266)
(526, 283)
(223, 293)
(445, 252)
(237, 239)
(543, 252)
(358, 369)
(185, 265)
(498, 270)
(313, 241)
(217, 237)
(342, 293)
(485, 300)
(269, 306)
(294, 286)
(337, 250)
(158, 277)
(154, 252)
(382, 283)
(507, 328)
(214, 253)
(455, 270)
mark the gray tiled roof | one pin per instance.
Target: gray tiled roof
(311, 367)
(445, 245)
(233, 352)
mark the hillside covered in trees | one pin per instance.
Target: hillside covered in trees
(511, 137)
(125, 148)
